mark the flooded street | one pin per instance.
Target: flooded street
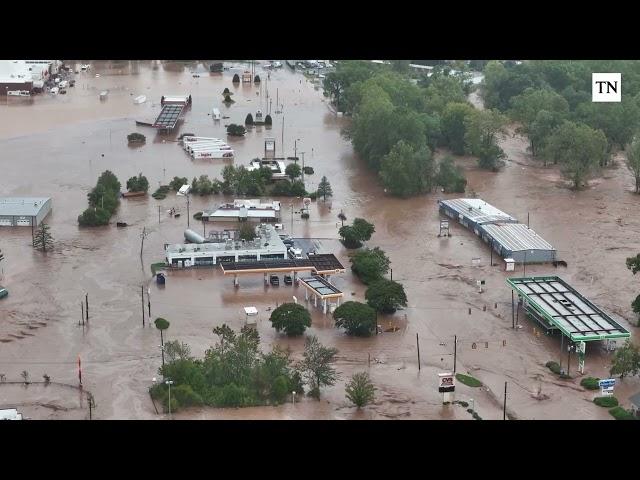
(58, 146)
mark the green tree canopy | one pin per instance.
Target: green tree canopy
(633, 161)
(578, 149)
(450, 176)
(406, 171)
(626, 360)
(292, 318)
(386, 296)
(454, 127)
(138, 184)
(324, 189)
(293, 171)
(247, 231)
(482, 131)
(370, 264)
(316, 365)
(358, 319)
(42, 238)
(360, 391)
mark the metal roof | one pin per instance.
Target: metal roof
(22, 206)
(561, 305)
(477, 210)
(321, 286)
(168, 116)
(516, 237)
(321, 263)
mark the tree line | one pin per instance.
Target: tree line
(551, 101)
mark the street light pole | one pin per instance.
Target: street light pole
(169, 382)
(302, 153)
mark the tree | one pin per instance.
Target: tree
(178, 182)
(482, 130)
(633, 161)
(297, 189)
(324, 188)
(228, 99)
(406, 171)
(453, 126)
(175, 350)
(633, 264)
(386, 296)
(360, 390)
(136, 137)
(540, 129)
(578, 149)
(292, 318)
(316, 365)
(161, 324)
(350, 237)
(247, 231)
(450, 176)
(226, 91)
(236, 130)
(293, 171)
(626, 360)
(635, 305)
(226, 334)
(249, 119)
(358, 319)
(42, 239)
(256, 79)
(268, 120)
(363, 229)
(236, 78)
(138, 184)
(370, 264)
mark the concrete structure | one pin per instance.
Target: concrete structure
(277, 167)
(244, 210)
(25, 74)
(506, 236)
(23, 211)
(320, 288)
(268, 247)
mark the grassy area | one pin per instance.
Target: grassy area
(620, 413)
(590, 383)
(157, 266)
(468, 380)
(606, 402)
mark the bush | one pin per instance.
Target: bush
(249, 119)
(358, 319)
(185, 396)
(197, 216)
(304, 216)
(138, 184)
(177, 183)
(606, 402)
(231, 395)
(468, 380)
(620, 413)
(256, 79)
(228, 99)
(292, 318)
(590, 383)
(268, 120)
(161, 192)
(236, 78)
(462, 403)
(308, 170)
(293, 171)
(93, 217)
(226, 91)
(554, 367)
(136, 138)
(360, 390)
(386, 296)
(280, 389)
(313, 195)
(236, 130)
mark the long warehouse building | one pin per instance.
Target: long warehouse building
(509, 238)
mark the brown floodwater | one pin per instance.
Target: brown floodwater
(57, 146)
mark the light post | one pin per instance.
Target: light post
(187, 210)
(295, 150)
(169, 382)
(161, 347)
(302, 153)
(294, 398)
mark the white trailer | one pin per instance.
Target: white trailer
(189, 138)
(209, 148)
(214, 154)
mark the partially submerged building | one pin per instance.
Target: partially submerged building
(23, 211)
(268, 246)
(513, 241)
(253, 210)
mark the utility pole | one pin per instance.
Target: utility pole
(455, 350)
(392, 274)
(158, 214)
(142, 299)
(149, 302)
(86, 310)
(527, 219)
(283, 154)
(143, 235)
(82, 311)
(187, 210)
(418, 345)
(513, 315)
(504, 408)
(302, 153)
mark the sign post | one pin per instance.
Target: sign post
(606, 386)
(446, 385)
(580, 350)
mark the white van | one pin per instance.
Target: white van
(216, 114)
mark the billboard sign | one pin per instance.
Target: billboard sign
(446, 382)
(607, 385)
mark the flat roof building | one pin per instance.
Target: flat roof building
(244, 210)
(268, 246)
(23, 211)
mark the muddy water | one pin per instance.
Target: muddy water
(57, 146)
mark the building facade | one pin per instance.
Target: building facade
(23, 211)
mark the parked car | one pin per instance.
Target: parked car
(288, 280)
(295, 253)
(274, 280)
(3, 292)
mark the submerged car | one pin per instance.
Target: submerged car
(3, 292)
(274, 280)
(288, 280)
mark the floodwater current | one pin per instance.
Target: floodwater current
(58, 145)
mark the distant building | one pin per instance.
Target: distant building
(25, 74)
(244, 210)
(23, 211)
(10, 414)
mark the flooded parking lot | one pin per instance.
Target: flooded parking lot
(57, 147)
